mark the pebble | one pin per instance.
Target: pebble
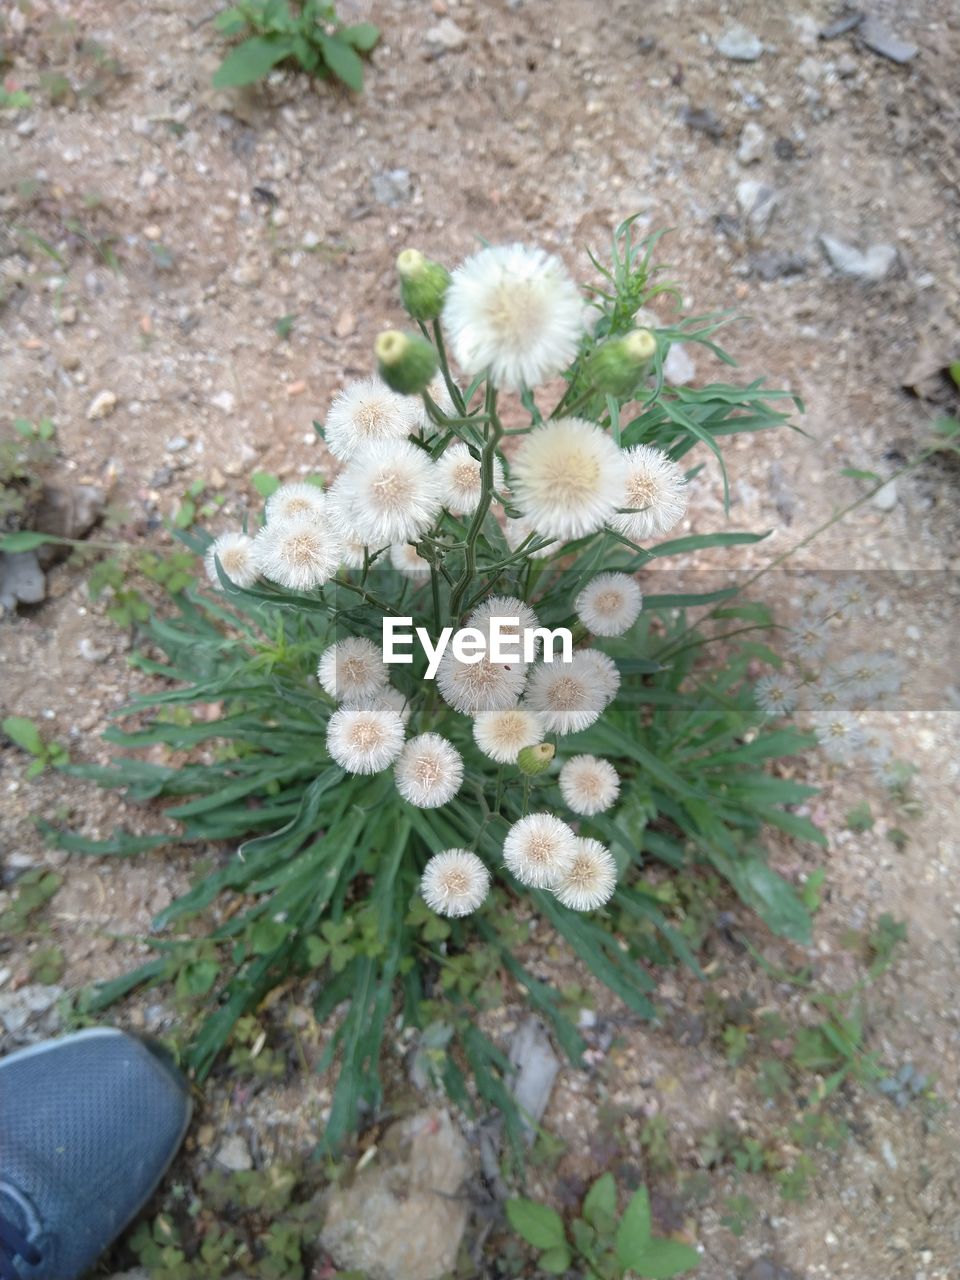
(773, 264)
(248, 273)
(880, 39)
(678, 368)
(234, 1154)
(89, 651)
(757, 202)
(224, 400)
(446, 37)
(740, 45)
(102, 405)
(535, 1065)
(888, 1153)
(704, 120)
(68, 315)
(391, 187)
(753, 142)
(21, 579)
(17, 1008)
(176, 444)
(871, 265)
(885, 499)
(346, 324)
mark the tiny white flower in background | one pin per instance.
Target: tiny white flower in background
(775, 694)
(461, 480)
(589, 785)
(868, 676)
(368, 413)
(353, 554)
(539, 850)
(515, 311)
(602, 669)
(609, 604)
(809, 640)
(438, 393)
(839, 733)
(504, 607)
(352, 668)
(568, 478)
(405, 557)
(237, 557)
(291, 501)
(298, 554)
(502, 735)
(565, 695)
(590, 880)
(454, 883)
(364, 739)
(517, 532)
(429, 771)
(390, 493)
(656, 494)
(472, 687)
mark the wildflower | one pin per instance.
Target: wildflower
(423, 284)
(503, 607)
(366, 413)
(502, 734)
(298, 554)
(518, 532)
(610, 604)
(473, 687)
(809, 640)
(291, 501)
(406, 362)
(656, 494)
(352, 668)
(589, 785)
(235, 551)
(461, 479)
(602, 670)
(839, 733)
(513, 311)
(566, 695)
(405, 557)
(429, 771)
(353, 554)
(454, 882)
(532, 761)
(869, 676)
(390, 493)
(539, 850)
(388, 697)
(364, 739)
(568, 478)
(617, 365)
(774, 694)
(591, 878)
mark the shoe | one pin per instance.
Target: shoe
(88, 1126)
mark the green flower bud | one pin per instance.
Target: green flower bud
(407, 363)
(423, 284)
(618, 365)
(534, 760)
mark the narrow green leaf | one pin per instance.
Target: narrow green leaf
(25, 540)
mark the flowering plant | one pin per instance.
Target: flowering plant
(404, 839)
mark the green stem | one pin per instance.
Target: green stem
(455, 393)
(492, 439)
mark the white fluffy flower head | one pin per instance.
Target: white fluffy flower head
(589, 785)
(460, 479)
(539, 850)
(388, 494)
(515, 311)
(839, 733)
(367, 413)
(656, 493)
(472, 687)
(503, 607)
(565, 695)
(364, 739)
(454, 882)
(405, 557)
(602, 669)
(352, 669)
(502, 735)
(298, 554)
(567, 478)
(775, 694)
(609, 604)
(590, 880)
(235, 551)
(429, 771)
(295, 501)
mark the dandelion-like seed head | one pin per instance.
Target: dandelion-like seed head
(568, 478)
(388, 494)
(539, 850)
(429, 771)
(839, 733)
(461, 480)
(473, 687)
(298, 554)
(775, 694)
(590, 880)
(516, 312)
(504, 607)
(405, 557)
(502, 735)
(602, 670)
(235, 551)
(351, 669)
(368, 413)
(365, 739)
(388, 697)
(454, 883)
(295, 501)
(809, 640)
(565, 695)
(589, 785)
(656, 494)
(609, 604)
(438, 393)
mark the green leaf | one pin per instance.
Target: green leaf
(954, 371)
(539, 1225)
(264, 483)
(25, 540)
(665, 1258)
(251, 60)
(343, 62)
(24, 733)
(363, 36)
(600, 1205)
(633, 1233)
(774, 900)
(556, 1262)
(853, 473)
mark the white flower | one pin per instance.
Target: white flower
(656, 494)
(405, 557)
(454, 882)
(351, 669)
(390, 493)
(235, 552)
(502, 735)
(539, 850)
(367, 413)
(774, 694)
(809, 640)
(388, 697)
(353, 554)
(568, 478)
(589, 785)
(601, 669)
(839, 733)
(516, 312)
(364, 739)
(472, 687)
(565, 695)
(503, 607)
(517, 532)
(291, 501)
(429, 771)
(298, 554)
(609, 604)
(867, 677)
(590, 880)
(461, 481)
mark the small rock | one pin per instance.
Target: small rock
(888, 1153)
(769, 1269)
(753, 142)
(102, 405)
(346, 324)
(67, 511)
(68, 314)
(224, 400)
(678, 368)
(240, 466)
(91, 652)
(247, 274)
(391, 186)
(446, 37)
(846, 66)
(704, 120)
(176, 444)
(26, 1005)
(234, 1154)
(536, 1066)
(871, 265)
(740, 45)
(21, 579)
(757, 202)
(842, 25)
(784, 149)
(885, 499)
(880, 39)
(311, 240)
(772, 264)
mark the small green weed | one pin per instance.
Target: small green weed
(26, 735)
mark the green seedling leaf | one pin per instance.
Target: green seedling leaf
(539, 1225)
(251, 60)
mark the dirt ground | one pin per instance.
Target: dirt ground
(229, 210)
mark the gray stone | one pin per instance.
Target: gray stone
(769, 1269)
(704, 120)
(446, 37)
(176, 444)
(885, 499)
(102, 405)
(772, 264)
(224, 400)
(740, 45)
(757, 202)
(880, 39)
(535, 1066)
(391, 186)
(21, 579)
(753, 142)
(234, 1154)
(90, 651)
(872, 264)
(678, 368)
(28, 1005)
(402, 1218)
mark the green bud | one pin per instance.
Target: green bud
(407, 363)
(616, 367)
(423, 284)
(534, 760)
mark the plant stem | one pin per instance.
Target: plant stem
(492, 435)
